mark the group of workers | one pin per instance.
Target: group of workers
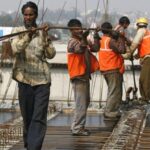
(112, 47)
(32, 71)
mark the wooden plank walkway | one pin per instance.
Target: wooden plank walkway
(59, 137)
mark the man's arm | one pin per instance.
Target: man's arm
(135, 43)
(75, 46)
(20, 42)
(137, 39)
(118, 46)
(96, 45)
(50, 51)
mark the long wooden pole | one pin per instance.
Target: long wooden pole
(17, 33)
(54, 27)
(40, 28)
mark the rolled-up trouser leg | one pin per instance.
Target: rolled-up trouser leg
(82, 100)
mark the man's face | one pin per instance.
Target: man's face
(29, 17)
(125, 25)
(77, 33)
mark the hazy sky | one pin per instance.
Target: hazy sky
(115, 5)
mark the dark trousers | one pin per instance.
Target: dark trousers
(33, 101)
(144, 82)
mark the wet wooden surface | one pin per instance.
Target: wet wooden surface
(59, 137)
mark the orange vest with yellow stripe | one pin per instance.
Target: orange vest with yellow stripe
(77, 66)
(144, 47)
(108, 59)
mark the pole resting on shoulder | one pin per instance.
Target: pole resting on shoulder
(51, 27)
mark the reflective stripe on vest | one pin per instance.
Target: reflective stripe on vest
(108, 59)
(144, 47)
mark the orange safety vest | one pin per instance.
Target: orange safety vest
(144, 47)
(77, 66)
(108, 59)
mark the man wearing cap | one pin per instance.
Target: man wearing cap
(141, 42)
